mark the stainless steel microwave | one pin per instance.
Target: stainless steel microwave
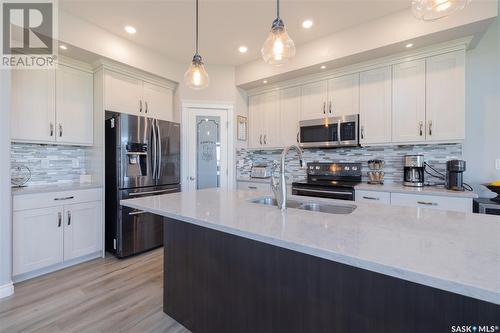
(330, 132)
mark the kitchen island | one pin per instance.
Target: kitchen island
(236, 266)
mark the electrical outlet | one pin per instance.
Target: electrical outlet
(497, 164)
(45, 163)
(76, 163)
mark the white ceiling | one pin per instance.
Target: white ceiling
(167, 26)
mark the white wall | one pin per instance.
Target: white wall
(482, 145)
(6, 287)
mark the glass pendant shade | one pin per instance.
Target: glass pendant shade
(196, 77)
(431, 10)
(278, 47)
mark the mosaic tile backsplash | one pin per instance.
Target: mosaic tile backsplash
(50, 164)
(436, 155)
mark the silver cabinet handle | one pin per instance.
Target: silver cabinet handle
(298, 137)
(60, 130)
(427, 203)
(370, 198)
(252, 187)
(138, 212)
(59, 219)
(51, 129)
(140, 105)
(64, 198)
(430, 127)
(324, 107)
(265, 139)
(330, 107)
(421, 128)
(362, 132)
(146, 103)
(260, 139)
(69, 217)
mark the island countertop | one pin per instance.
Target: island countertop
(452, 251)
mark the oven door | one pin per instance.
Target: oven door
(338, 193)
(348, 131)
(319, 133)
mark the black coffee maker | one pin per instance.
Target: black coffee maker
(454, 175)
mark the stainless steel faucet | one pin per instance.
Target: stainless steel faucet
(279, 187)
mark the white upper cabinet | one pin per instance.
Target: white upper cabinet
(74, 106)
(158, 101)
(256, 120)
(264, 117)
(314, 100)
(289, 115)
(375, 106)
(408, 101)
(33, 105)
(122, 93)
(132, 95)
(445, 97)
(343, 95)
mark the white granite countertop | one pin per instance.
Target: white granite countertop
(53, 188)
(457, 252)
(427, 190)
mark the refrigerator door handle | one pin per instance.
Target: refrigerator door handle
(158, 138)
(153, 147)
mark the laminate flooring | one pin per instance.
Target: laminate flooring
(102, 295)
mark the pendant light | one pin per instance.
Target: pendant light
(196, 77)
(278, 47)
(431, 10)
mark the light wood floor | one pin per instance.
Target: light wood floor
(103, 295)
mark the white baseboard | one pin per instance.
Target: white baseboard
(6, 290)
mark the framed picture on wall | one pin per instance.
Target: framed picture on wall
(242, 128)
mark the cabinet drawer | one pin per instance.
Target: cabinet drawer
(433, 202)
(40, 200)
(263, 187)
(373, 197)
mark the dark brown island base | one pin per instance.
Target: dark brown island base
(218, 282)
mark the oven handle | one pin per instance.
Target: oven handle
(321, 191)
(152, 192)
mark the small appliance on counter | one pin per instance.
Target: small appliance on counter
(454, 175)
(494, 187)
(260, 170)
(414, 169)
(486, 206)
(376, 174)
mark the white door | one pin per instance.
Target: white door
(375, 106)
(33, 105)
(123, 93)
(271, 117)
(158, 101)
(256, 121)
(445, 97)
(82, 229)
(290, 115)
(313, 100)
(74, 106)
(408, 101)
(37, 239)
(343, 95)
(207, 140)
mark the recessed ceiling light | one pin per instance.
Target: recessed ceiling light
(265, 81)
(243, 49)
(323, 67)
(307, 24)
(130, 29)
(63, 47)
(409, 45)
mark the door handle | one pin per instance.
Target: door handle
(192, 178)
(60, 130)
(430, 127)
(152, 192)
(69, 217)
(59, 219)
(421, 128)
(140, 105)
(51, 129)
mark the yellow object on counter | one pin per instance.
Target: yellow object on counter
(495, 183)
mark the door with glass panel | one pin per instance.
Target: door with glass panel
(207, 149)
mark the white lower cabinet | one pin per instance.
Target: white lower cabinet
(432, 201)
(51, 228)
(373, 197)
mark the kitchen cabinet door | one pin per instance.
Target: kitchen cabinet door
(74, 106)
(343, 95)
(123, 93)
(255, 121)
(445, 97)
(314, 100)
(37, 239)
(271, 120)
(289, 115)
(408, 101)
(82, 229)
(158, 101)
(33, 105)
(375, 106)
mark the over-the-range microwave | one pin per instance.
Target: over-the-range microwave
(330, 132)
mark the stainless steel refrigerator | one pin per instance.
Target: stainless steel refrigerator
(142, 159)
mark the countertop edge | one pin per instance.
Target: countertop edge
(39, 189)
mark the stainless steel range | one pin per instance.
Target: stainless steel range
(329, 180)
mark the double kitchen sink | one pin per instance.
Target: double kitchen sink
(307, 205)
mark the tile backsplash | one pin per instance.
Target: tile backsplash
(436, 155)
(50, 164)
